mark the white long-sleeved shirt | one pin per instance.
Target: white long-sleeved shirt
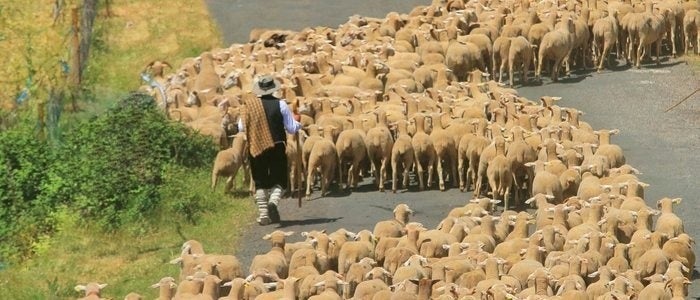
(290, 125)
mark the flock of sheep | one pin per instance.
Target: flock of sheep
(409, 93)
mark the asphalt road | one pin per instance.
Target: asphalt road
(662, 145)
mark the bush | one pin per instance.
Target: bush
(24, 160)
(111, 167)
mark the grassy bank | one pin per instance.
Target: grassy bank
(135, 256)
(129, 260)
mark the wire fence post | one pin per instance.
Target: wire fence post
(74, 77)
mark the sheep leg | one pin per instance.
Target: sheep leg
(394, 172)
(555, 68)
(658, 51)
(441, 179)
(501, 69)
(408, 164)
(460, 171)
(538, 70)
(355, 173)
(214, 178)
(673, 40)
(230, 181)
(431, 166)
(604, 56)
(382, 173)
(453, 168)
(309, 179)
(510, 73)
(419, 171)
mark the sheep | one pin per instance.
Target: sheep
(330, 291)
(678, 287)
(650, 30)
(556, 44)
(92, 290)
(309, 257)
(612, 152)
(402, 155)
(520, 54)
(656, 288)
(691, 28)
(445, 151)
(598, 288)
(531, 262)
(323, 156)
(191, 286)
(379, 145)
(605, 34)
(668, 222)
(619, 261)
(351, 148)
(545, 182)
(133, 296)
(501, 48)
(653, 261)
(236, 292)
(500, 173)
(424, 151)
(274, 260)
(474, 150)
(255, 284)
(462, 57)
(286, 289)
(680, 249)
(393, 228)
(354, 251)
(210, 286)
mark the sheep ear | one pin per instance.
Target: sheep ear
(677, 200)
(446, 247)
(80, 288)
(267, 237)
(101, 286)
(155, 285)
(593, 275)
(304, 234)
(289, 233)
(319, 284)
(176, 261)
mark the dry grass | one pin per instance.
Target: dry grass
(138, 32)
(128, 260)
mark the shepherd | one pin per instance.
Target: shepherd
(265, 120)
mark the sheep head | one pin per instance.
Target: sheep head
(277, 238)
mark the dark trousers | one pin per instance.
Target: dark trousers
(270, 168)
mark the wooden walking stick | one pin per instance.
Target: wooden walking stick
(300, 173)
(299, 168)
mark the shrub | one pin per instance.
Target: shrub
(111, 166)
(24, 160)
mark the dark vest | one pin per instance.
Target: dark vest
(273, 113)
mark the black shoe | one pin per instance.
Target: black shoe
(273, 213)
(264, 221)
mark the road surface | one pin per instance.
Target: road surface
(664, 146)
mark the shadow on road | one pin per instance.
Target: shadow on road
(289, 223)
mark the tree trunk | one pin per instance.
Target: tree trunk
(87, 21)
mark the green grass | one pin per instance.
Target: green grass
(136, 256)
(129, 260)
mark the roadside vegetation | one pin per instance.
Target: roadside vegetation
(107, 192)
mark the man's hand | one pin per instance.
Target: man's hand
(297, 117)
